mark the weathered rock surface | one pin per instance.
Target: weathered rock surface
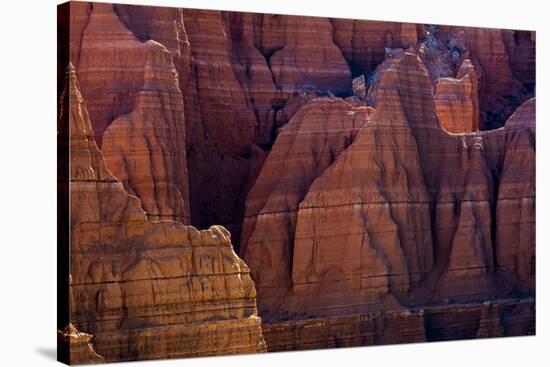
(212, 117)
(144, 289)
(505, 78)
(237, 74)
(406, 214)
(434, 323)
(318, 133)
(364, 42)
(456, 101)
(76, 347)
(136, 107)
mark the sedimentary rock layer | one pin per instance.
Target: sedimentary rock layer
(456, 101)
(136, 107)
(237, 74)
(364, 42)
(504, 80)
(436, 323)
(145, 289)
(248, 121)
(75, 347)
(406, 214)
(307, 145)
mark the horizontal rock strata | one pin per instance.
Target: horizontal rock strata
(236, 74)
(363, 234)
(136, 109)
(456, 101)
(148, 290)
(364, 170)
(306, 146)
(433, 323)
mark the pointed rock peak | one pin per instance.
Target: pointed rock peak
(524, 116)
(405, 94)
(70, 329)
(86, 160)
(457, 101)
(467, 68)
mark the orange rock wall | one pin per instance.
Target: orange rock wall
(143, 289)
(406, 214)
(449, 322)
(237, 74)
(340, 205)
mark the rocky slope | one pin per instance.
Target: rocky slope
(413, 190)
(407, 214)
(238, 75)
(146, 289)
(306, 147)
(136, 107)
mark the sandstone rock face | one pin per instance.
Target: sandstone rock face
(346, 331)
(318, 133)
(136, 107)
(446, 322)
(238, 75)
(146, 289)
(515, 211)
(364, 42)
(456, 101)
(241, 70)
(300, 50)
(364, 232)
(502, 76)
(347, 158)
(77, 347)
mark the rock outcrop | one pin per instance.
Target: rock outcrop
(435, 323)
(238, 75)
(318, 133)
(136, 107)
(144, 289)
(364, 42)
(407, 214)
(456, 101)
(378, 179)
(504, 82)
(75, 347)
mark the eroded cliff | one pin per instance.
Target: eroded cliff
(407, 214)
(368, 215)
(145, 289)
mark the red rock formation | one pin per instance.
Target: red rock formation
(494, 53)
(346, 331)
(236, 73)
(402, 184)
(137, 109)
(364, 42)
(456, 101)
(148, 290)
(521, 52)
(307, 145)
(301, 50)
(76, 347)
(515, 211)
(376, 238)
(432, 323)
(372, 213)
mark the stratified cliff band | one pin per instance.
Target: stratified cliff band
(377, 178)
(142, 289)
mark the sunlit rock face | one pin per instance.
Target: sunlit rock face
(377, 179)
(144, 289)
(407, 213)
